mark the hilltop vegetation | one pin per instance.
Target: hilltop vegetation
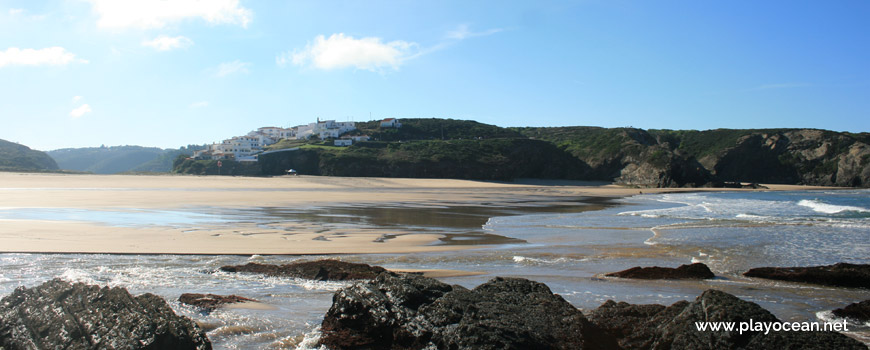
(433, 129)
(446, 148)
(118, 159)
(15, 157)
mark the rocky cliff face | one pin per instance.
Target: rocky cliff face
(688, 158)
(807, 157)
(61, 315)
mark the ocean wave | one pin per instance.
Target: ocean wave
(537, 261)
(825, 208)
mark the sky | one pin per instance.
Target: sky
(85, 73)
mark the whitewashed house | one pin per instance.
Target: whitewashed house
(391, 123)
(324, 129)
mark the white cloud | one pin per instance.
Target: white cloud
(200, 104)
(158, 13)
(76, 99)
(463, 32)
(233, 67)
(55, 56)
(80, 111)
(14, 12)
(165, 43)
(341, 51)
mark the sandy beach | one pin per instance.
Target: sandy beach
(113, 194)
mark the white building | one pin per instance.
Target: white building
(278, 133)
(324, 129)
(391, 123)
(238, 147)
(246, 148)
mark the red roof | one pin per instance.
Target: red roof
(389, 119)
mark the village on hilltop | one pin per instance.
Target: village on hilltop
(246, 148)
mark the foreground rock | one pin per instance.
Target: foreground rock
(321, 270)
(61, 315)
(414, 312)
(209, 302)
(693, 271)
(838, 275)
(674, 327)
(396, 311)
(857, 311)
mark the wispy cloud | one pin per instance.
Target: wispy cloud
(166, 43)
(200, 104)
(463, 32)
(234, 67)
(76, 99)
(80, 111)
(158, 13)
(780, 86)
(22, 13)
(343, 51)
(54, 56)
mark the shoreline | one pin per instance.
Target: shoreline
(132, 195)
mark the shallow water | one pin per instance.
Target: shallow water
(563, 246)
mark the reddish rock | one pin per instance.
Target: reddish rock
(838, 275)
(321, 270)
(693, 271)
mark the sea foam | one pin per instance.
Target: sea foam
(825, 208)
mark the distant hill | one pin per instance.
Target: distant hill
(15, 157)
(117, 159)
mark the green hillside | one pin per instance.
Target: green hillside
(118, 159)
(15, 157)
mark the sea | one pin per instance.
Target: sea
(570, 247)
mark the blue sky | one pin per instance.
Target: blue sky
(81, 73)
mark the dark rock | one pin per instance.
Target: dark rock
(658, 327)
(634, 326)
(414, 312)
(210, 302)
(61, 315)
(856, 311)
(693, 271)
(839, 275)
(321, 270)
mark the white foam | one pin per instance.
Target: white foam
(527, 260)
(77, 275)
(825, 208)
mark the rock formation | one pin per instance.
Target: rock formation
(693, 271)
(63, 315)
(397, 311)
(320, 270)
(856, 311)
(209, 302)
(838, 275)
(657, 327)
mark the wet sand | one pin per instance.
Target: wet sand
(118, 193)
